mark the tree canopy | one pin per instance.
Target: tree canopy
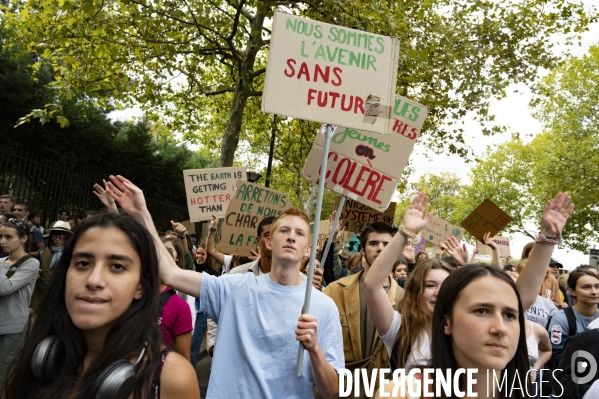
(196, 63)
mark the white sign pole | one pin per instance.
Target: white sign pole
(323, 259)
(306, 310)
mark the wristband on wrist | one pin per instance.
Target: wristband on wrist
(411, 237)
(542, 239)
(212, 230)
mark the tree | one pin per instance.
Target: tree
(442, 190)
(170, 56)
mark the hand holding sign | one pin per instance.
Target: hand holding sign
(487, 217)
(488, 241)
(179, 229)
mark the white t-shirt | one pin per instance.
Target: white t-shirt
(420, 354)
(227, 264)
(541, 311)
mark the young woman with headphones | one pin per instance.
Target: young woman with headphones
(96, 334)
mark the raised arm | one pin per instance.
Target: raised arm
(180, 230)
(131, 199)
(496, 261)
(381, 310)
(554, 219)
(220, 258)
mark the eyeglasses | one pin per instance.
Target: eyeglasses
(17, 223)
(58, 235)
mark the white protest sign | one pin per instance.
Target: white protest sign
(438, 230)
(210, 190)
(503, 246)
(328, 73)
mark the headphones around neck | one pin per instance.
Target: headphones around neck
(116, 381)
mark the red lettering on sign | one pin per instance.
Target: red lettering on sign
(320, 73)
(402, 128)
(365, 181)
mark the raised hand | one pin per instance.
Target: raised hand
(179, 229)
(213, 222)
(408, 253)
(415, 220)
(128, 195)
(255, 254)
(457, 251)
(489, 241)
(556, 214)
(104, 197)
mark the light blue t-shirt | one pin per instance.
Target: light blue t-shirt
(256, 349)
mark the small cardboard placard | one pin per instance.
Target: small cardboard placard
(438, 230)
(327, 73)
(250, 204)
(503, 246)
(356, 216)
(210, 190)
(487, 217)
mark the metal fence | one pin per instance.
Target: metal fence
(48, 188)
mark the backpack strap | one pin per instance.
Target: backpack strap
(571, 321)
(12, 269)
(165, 296)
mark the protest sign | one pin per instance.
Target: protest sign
(386, 153)
(357, 216)
(594, 257)
(250, 204)
(327, 73)
(210, 190)
(486, 218)
(438, 230)
(352, 179)
(503, 246)
(366, 166)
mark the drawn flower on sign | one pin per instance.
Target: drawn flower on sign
(456, 232)
(234, 187)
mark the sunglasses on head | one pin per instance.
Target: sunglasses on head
(17, 223)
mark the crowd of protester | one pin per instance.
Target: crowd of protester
(105, 306)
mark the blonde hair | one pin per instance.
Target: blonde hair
(414, 316)
(521, 266)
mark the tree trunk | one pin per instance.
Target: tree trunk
(242, 89)
(311, 200)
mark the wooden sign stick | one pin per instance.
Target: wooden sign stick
(306, 310)
(330, 239)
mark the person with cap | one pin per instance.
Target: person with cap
(49, 257)
(554, 267)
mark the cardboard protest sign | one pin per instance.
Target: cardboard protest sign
(352, 179)
(357, 216)
(210, 190)
(487, 217)
(323, 233)
(327, 73)
(366, 166)
(250, 204)
(438, 230)
(386, 153)
(503, 246)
